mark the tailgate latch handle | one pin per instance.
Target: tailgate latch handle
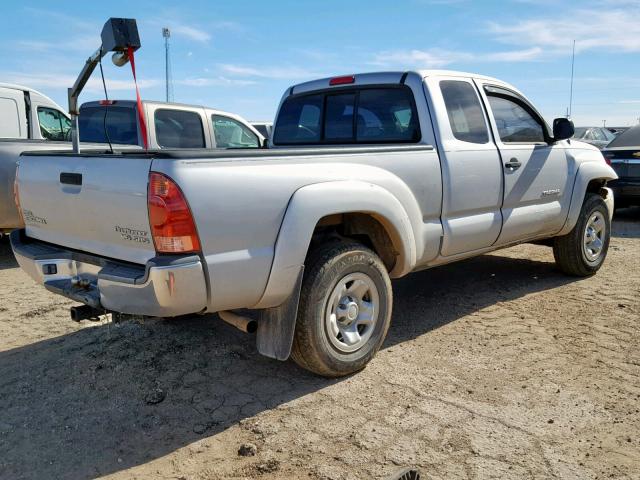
(71, 178)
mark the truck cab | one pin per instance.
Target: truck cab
(169, 126)
(28, 114)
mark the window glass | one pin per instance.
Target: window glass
(121, 125)
(608, 135)
(338, 119)
(53, 124)
(230, 133)
(9, 118)
(464, 111)
(515, 124)
(599, 135)
(299, 120)
(179, 129)
(386, 115)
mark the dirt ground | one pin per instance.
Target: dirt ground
(497, 367)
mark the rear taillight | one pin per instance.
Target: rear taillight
(607, 157)
(172, 225)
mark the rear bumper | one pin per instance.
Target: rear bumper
(164, 287)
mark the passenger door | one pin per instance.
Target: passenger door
(535, 169)
(471, 167)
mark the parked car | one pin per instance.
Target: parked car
(596, 136)
(29, 120)
(264, 128)
(169, 125)
(623, 154)
(370, 177)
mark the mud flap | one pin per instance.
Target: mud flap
(276, 325)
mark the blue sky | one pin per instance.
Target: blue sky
(241, 55)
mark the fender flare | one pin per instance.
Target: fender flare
(311, 203)
(586, 173)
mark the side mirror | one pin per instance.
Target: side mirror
(563, 129)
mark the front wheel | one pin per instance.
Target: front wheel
(582, 251)
(344, 311)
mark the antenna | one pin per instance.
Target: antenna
(573, 58)
(166, 33)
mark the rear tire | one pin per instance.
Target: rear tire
(344, 311)
(582, 251)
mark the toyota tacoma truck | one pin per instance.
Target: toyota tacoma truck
(368, 177)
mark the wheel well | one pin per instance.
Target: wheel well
(595, 185)
(363, 227)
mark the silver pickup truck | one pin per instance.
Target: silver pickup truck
(369, 177)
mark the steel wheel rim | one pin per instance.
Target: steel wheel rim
(594, 237)
(352, 311)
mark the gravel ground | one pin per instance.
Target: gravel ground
(496, 367)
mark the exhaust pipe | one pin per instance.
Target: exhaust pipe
(244, 324)
(85, 312)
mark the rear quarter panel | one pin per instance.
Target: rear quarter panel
(239, 206)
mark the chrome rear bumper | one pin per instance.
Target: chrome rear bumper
(164, 287)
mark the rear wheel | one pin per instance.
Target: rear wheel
(344, 312)
(582, 251)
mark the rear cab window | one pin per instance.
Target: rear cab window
(179, 129)
(119, 124)
(361, 115)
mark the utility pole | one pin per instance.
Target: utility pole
(573, 58)
(166, 33)
(604, 123)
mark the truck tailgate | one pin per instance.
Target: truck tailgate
(95, 204)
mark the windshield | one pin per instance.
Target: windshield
(579, 132)
(629, 138)
(121, 124)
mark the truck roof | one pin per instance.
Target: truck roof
(133, 103)
(389, 77)
(15, 86)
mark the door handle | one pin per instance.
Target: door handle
(513, 164)
(71, 178)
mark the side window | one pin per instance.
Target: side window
(386, 115)
(299, 120)
(515, 124)
(9, 118)
(599, 135)
(179, 129)
(53, 124)
(464, 111)
(230, 133)
(338, 118)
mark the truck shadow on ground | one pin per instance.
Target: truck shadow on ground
(7, 259)
(626, 222)
(110, 397)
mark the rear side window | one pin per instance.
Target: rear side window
(53, 124)
(9, 118)
(366, 115)
(230, 133)
(121, 125)
(179, 129)
(464, 111)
